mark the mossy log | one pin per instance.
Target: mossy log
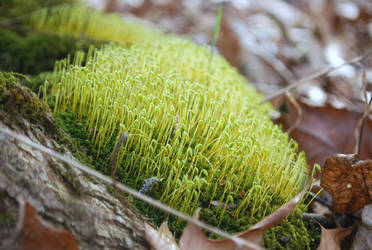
(61, 195)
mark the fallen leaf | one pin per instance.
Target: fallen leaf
(193, 238)
(37, 234)
(325, 131)
(349, 182)
(161, 239)
(332, 238)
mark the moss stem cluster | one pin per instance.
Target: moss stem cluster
(200, 131)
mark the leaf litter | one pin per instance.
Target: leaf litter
(37, 234)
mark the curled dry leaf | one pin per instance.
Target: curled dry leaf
(161, 239)
(37, 234)
(349, 181)
(332, 238)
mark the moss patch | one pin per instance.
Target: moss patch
(19, 103)
(35, 53)
(292, 233)
(17, 100)
(6, 220)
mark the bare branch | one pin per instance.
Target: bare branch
(256, 49)
(320, 73)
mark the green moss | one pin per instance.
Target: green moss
(81, 21)
(301, 235)
(16, 99)
(194, 124)
(20, 103)
(6, 221)
(35, 53)
(10, 9)
(37, 81)
(82, 147)
(214, 131)
(315, 234)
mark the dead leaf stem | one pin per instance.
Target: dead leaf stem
(299, 112)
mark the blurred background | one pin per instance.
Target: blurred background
(274, 43)
(277, 42)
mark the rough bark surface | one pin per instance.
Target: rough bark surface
(60, 194)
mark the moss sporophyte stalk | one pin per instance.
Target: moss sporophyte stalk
(195, 126)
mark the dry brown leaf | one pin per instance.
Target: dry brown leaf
(326, 131)
(349, 181)
(37, 234)
(193, 238)
(161, 239)
(332, 238)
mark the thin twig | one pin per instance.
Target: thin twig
(114, 157)
(216, 30)
(320, 200)
(364, 119)
(359, 127)
(122, 141)
(299, 112)
(325, 71)
(238, 241)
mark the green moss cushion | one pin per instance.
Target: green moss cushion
(193, 122)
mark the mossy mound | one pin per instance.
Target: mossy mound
(192, 120)
(193, 123)
(20, 103)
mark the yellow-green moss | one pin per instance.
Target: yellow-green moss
(201, 131)
(13, 11)
(81, 21)
(192, 122)
(35, 53)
